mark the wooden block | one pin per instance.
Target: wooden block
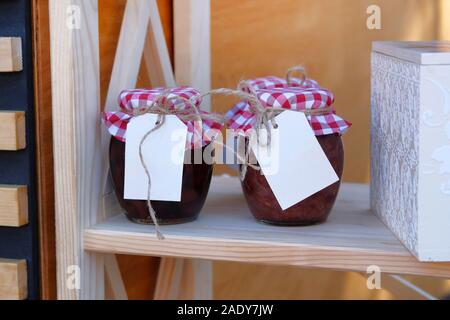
(13, 206)
(10, 54)
(12, 130)
(13, 279)
(192, 31)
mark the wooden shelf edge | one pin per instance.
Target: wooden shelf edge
(259, 252)
(352, 239)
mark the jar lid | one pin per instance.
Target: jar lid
(200, 133)
(297, 95)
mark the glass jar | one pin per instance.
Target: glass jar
(195, 187)
(315, 209)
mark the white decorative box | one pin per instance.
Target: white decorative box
(410, 188)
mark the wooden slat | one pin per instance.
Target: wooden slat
(13, 206)
(192, 28)
(184, 279)
(44, 149)
(193, 278)
(11, 54)
(129, 49)
(352, 239)
(125, 69)
(13, 279)
(114, 277)
(156, 54)
(77, 145)
(169, 272)
(134, 34)
(12, 130)
(124, 75)
(403, 289)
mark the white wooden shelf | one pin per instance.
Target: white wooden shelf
(352, 239)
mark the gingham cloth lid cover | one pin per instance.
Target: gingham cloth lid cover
(277, 93)
(199, 133)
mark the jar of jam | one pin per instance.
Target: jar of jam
(315, 209)
(306, 96)
(197, 174)
(195, 186)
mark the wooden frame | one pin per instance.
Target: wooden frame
(44, 149)
(82, 197)
(76, 132)
(88, 233)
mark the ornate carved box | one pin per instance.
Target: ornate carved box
(410, 189)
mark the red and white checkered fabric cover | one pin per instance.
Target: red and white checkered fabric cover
(275, 82)
(200, 133)
(275, 92)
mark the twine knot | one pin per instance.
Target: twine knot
(162, 108)
(265, 116)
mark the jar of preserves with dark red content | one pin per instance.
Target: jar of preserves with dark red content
(315, 209)
(194, 190)
(302, 95)
(196, 174)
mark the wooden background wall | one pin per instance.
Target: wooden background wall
(253, 38)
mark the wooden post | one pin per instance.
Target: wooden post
(156, 55)
(192, 27)
(189, 278)
(124, 75)
(129, 49)
(77, 152)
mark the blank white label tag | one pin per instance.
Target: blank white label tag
(163, 152)
(294, 164)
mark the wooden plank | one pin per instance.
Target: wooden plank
(13, 206)
(124, 75)
(159, 69)
(136, 17)
(192, 29)
(184, 279)
(403, 289)
(125, 70)
(352, 239)
(114, 277)
(13, 279)
(193, 68)
(77, 145)
(44, 149)
(11, 54)
(156, 54)
(399, 287)
(12, 130)
(129, 49)
(169, 273)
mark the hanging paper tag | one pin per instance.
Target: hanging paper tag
(294, 164)
(163, 152)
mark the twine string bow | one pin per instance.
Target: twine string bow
(264, 115)
(162, 107)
